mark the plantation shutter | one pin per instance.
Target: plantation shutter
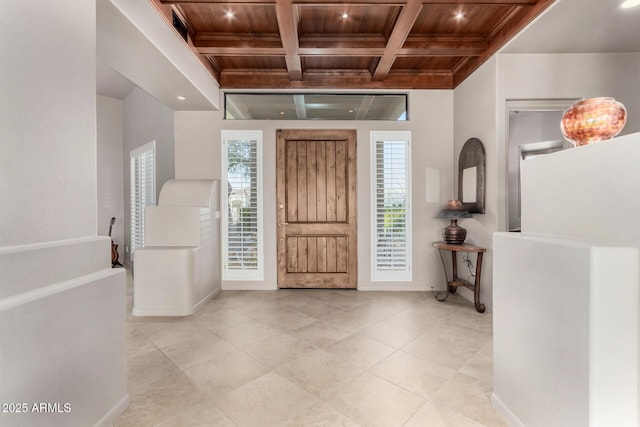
(243, 218)
(391, 208)
(143, 190)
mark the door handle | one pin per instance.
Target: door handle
(283, 223)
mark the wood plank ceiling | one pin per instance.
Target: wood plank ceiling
(374, 44)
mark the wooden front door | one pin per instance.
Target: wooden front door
(316, 186)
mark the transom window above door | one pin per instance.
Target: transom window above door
(316, 106)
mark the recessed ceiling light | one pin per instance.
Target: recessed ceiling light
(459, 16)
(345, 15)
(181, 98)
(351, 110)
(629, 3)
(282, 113)
(229, 14)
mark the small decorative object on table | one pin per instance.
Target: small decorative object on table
(453, 233)
(593, 120)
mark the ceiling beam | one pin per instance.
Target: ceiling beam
(347, 79)
(301, 110)
(223, 39)
(365, 105)
(288, 25)
(398, 36)
(242, 51)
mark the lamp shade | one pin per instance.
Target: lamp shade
(453, 209)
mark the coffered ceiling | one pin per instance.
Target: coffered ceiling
(376, 44)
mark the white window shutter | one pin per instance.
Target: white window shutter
(143, 190)
(391, 249)
(242, 222)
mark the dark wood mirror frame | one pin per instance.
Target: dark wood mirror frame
(473, 155)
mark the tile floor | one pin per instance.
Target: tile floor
(313, 358)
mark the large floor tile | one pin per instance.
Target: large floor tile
(319, 309)
(391, 334)
(374, 402)
(353, 319)
(248, 333)
(194, 351)
(160, 400)
(148, 367)
(219, 319)
(269, 400)
(448, 345)
(279, 349)
(360, 350)
(437, 416)
(138, 343)
(469, 397)
(413, 373)
(321, 333)
(319, 415)
(205, 414)
(285, 319)
(165, 333)
(225, 373)
(480, 366)
(320, 373)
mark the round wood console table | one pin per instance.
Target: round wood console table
(455, 281)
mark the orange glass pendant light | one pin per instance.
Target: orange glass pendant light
(593, 120)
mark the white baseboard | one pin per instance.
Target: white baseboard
(397, 286)
(504, 412)
(112, 415)
(247, 286)
(172, 313)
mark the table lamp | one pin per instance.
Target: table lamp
(453, 233)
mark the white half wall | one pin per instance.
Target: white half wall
(565, 332)
(587, 186)
(198, 154)
(62, 306)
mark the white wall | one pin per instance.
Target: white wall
(47, 120)
(62, 306)
(198, 157)
(110, 169)
(480, 111)
(569, 76)
(146, 120)
(474, 117)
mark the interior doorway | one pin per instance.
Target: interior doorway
(533, 128)
(316, 202)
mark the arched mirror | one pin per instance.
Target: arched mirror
(471, 176)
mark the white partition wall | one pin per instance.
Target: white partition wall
(179, 267)
(569, 283)
(565, 339)
(62, 306)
